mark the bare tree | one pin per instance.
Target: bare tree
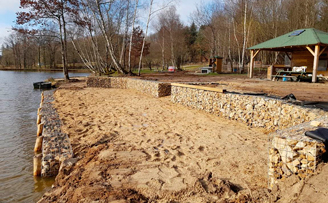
(104, 13)
(144, 39)
(131, 35)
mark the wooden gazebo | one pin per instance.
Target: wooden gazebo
(307, 46)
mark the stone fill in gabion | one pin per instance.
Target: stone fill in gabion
(56, 145)
(256, 111)
(291, 152)
(153, 88)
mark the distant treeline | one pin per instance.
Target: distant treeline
(109, 36)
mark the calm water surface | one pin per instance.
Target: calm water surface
(18, 112)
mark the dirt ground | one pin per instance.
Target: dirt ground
(130, 147)
(303, 91)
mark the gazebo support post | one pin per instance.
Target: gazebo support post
(251, 65)
(316, 53)
(316, 63)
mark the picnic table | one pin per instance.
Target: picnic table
(292, 75)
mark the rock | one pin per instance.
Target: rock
(286, 170)
(296, 162)
(275, 158)
(299, 145)
(310, 158)
(292, 142)
(287, 154)
(293, 167)
(315, 123)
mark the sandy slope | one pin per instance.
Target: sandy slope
(135, 148)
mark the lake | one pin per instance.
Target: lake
(18, 112)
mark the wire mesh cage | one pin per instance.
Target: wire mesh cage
(288, 156)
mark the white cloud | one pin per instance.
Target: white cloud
(185, 9)
(9, 6)
(5, 30)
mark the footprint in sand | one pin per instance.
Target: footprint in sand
(180, 153)
(201, 148)
(148, 156)
(81, 131)
(173, 158)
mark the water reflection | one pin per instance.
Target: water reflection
(18, 107)
(40, 184)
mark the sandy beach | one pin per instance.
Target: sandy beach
(130, 147)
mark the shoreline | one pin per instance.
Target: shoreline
(133, 147)
(46, 70)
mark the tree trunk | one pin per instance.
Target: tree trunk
(131, 36)
(144, 39)
(62, 43)
(44, 57)
(102, 26)
(172, 48)
(229, 49)
(244, 39)
(39, 56)
(65, 67)
(238, 47)
(125, 34)
(163, 51)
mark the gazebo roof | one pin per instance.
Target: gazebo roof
(297, 38)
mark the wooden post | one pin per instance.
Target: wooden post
(42, 97)
(269, 73)
(38, 144)
(38, 121)
(316, 63)
(40, 129)
(251, 65)
(37, 159)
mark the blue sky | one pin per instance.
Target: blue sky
(8, 9)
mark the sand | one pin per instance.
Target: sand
(130, 147)
(241, 83)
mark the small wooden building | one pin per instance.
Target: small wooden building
(216, 63)
(304, 47)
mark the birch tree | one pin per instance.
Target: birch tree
(144, 39)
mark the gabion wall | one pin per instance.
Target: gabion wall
(56, 146)
(256, 111)
(153, 88)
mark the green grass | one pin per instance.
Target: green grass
(225, 74)
(192, 67)
(145, 71)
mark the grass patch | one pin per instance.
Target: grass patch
(193, 67)
(144, 71)
(225, 74)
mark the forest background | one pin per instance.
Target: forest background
(108, 36)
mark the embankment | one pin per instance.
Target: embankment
(156, 150)
(52, 145)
